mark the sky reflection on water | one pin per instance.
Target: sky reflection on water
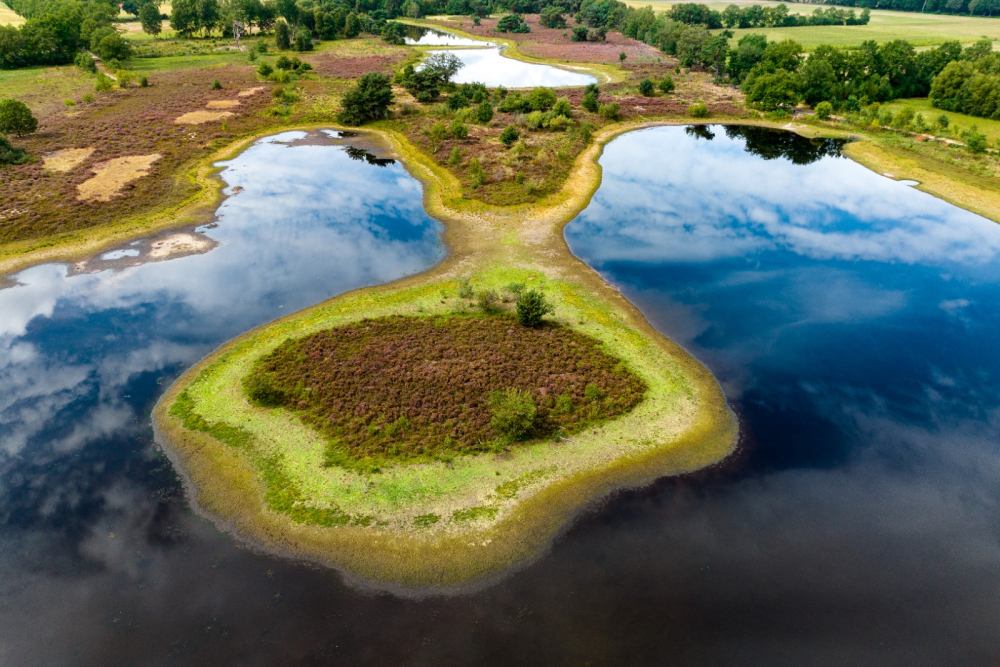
(489, 67)
(849, 318)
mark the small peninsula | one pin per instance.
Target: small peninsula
(423, 435)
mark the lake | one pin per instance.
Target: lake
(848, 317)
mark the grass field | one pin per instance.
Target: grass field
(920, 29)
(8, 17)
(957, 121)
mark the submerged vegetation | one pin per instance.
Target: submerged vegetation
(402, 388)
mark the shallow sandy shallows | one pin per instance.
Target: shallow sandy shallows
(223, 104)
(178, 244)
(66, 159)
(200, 117)
(111, 176)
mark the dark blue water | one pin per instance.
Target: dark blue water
(849, 318)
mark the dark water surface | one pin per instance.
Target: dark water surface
(849, 318)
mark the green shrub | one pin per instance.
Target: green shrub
(824, 110)
(455, 157)
(558, 123)
(513, 413)
(514, 102)
(610, 110)
(487, 300)
(263, 390)
(942, 121)
(564, 404)
(902, 118)
(975, 141)
(88, 98)
(484, 112)
(562, 107)
(593, 393)
(465, 290)
(264, 69)
(284, 62)
(85, 62)
(590, 102)
(698, 110)
(509, 136)
(459, 130)
(216, 85)
(646, 88)
(144, 81)
(11, 155)
(512, 23)
(103, 83)
(534, 120)
(69, 102)
(541, 99)
(667, 85)
(532, 307)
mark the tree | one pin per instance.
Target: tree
(532, 307)
(773, 91)
(368, 100)
(513, 411)
(667, 85)
(824, 110)
(512, 23)
(149, 18)
(552, 17)
(590, 101)
(184, 16)
(208, 15)
(818, 81)
(646, 88)
(394, 32)
(352, 27)
(282, 37)
(16, 118)
(113, 47)
(443, 66)
(303, 40)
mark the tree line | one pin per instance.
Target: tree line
(760, 16)
(974, 7)
(54, 32)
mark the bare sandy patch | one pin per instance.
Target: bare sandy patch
(250, 91)
(199, 117)
(178, 244)
(223, 104)
(66, 159)
(111, 176)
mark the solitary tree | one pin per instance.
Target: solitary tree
(368, 100)
(532, 307)
(149, 18)
(16, 118)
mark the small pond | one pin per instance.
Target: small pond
(489, 66)
(851, 320)
(417, 36)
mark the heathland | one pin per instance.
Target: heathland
(418, 480)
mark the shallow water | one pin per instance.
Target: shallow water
(488, 66)
(848, 317)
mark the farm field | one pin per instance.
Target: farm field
(8, 16)
(957, 121)
(920, 29)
